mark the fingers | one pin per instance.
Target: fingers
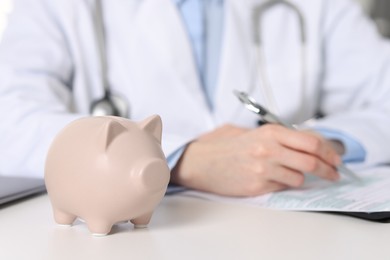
(264, 188)
(298, 152)
(305, 142)
(286, 177)
(306, 163)
(280, 178)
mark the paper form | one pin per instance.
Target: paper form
(370, 194)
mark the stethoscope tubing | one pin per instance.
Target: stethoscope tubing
(260, 57)
(257, 38)
(107, 104)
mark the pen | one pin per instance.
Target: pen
(269, 117)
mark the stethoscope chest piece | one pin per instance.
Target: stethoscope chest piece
(110, 105)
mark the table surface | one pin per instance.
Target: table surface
(190, 228)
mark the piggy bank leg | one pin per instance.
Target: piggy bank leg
(63, 218)
(99, 228)
(142, 221)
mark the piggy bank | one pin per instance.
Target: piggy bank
(106, 170)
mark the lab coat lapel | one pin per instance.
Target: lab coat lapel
(166, 34)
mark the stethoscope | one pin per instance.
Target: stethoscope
(117, 106)
(259, 67)
(109, 104)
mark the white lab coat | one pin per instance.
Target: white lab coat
(49, 72)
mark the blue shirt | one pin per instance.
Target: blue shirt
(204, 22)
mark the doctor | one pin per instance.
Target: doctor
(182, 59)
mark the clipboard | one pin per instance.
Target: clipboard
(381, 217)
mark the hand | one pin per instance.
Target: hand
(248, 162)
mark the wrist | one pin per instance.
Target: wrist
(181, 173)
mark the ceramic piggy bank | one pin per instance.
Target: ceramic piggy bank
(106, 170)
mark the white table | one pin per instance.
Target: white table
(189, 228)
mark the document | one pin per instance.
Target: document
(370, 194)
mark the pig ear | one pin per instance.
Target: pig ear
(110, 130)
(152, 125)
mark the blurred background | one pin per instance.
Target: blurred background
(379, 10)
(5, 8)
